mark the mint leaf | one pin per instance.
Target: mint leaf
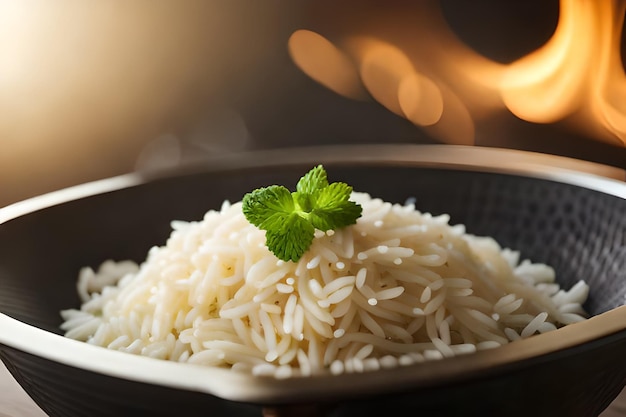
(332, 209)
(312, 181)
(292, 239)
(290, 218)
(333, 195)
(263, 204)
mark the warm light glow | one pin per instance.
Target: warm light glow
(389, 75)
(608, 95)
(579, 70)
(417, 68)
(420, 99)
(456, 125)
(382, 69)
(85, 86)
(326, 64)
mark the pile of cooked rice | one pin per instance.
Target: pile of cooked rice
(397, 288)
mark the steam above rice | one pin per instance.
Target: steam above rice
(397, 288)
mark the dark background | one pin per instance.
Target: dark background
(93, 90)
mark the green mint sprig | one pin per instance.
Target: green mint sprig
(290, 218)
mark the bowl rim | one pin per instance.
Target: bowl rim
(242, 387)
(591, 175)
(236, 386)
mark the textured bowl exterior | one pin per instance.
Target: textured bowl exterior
(580, 231)
(577, 382)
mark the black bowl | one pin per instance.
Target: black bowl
(543, 206)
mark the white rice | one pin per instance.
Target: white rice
(399, 287)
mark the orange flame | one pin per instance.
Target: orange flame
(417, 68)
(578, 71)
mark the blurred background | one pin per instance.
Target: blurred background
(94, 89)
(90, 90)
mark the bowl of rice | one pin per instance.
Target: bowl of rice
(475, 281)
